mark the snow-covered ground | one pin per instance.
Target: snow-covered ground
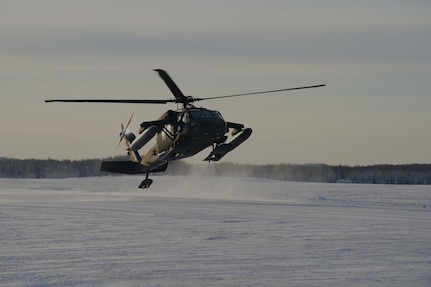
(209, 231)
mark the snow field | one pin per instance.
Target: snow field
(209, 231)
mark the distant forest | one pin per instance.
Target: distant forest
(373, 174)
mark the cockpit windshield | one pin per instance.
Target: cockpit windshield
(204, 114)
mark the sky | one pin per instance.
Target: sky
(374, 57)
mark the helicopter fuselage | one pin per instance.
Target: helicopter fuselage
(184, 133)
(179, 134)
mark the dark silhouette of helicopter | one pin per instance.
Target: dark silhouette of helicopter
(179, 134)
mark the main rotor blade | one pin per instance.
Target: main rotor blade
(114, 101)
(171, 85)
(256, 93)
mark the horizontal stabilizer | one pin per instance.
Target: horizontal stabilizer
(126, 167)
(160, 168)
(130, 167)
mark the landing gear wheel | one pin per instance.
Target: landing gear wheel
(146, 183)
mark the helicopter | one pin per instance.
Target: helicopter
(179, 133)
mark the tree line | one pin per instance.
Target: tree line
(372, 174)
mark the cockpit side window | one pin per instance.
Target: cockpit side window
(216, 115)
(194, 115)
(206, 114)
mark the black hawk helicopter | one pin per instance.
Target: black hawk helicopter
(179, 134)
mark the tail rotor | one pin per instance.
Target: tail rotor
(124, 130)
